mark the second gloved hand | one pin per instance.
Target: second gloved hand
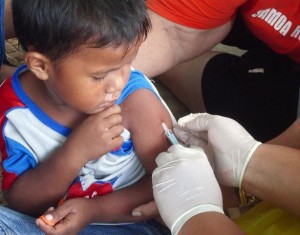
(184, 185)
(231, 144)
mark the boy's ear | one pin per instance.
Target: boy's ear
(38, 64)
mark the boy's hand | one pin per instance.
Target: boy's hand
(97, 134)
(69, 218)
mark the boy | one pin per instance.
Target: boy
(75, 127)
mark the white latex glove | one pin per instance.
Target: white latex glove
(231, 144)
(184, 185)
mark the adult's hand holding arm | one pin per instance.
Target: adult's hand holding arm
(231, 144)
(184, 185)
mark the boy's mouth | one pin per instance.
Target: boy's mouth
(108, 104)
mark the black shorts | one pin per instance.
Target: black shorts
(260, 90)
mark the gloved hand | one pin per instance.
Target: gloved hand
(231, 144)
(184, 185)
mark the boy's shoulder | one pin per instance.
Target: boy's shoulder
(8, 93)
(8, 96)
(137, 80)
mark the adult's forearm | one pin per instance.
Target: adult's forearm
(290, 137)
(273, 175)
(210, 223)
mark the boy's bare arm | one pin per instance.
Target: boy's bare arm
(37, 189)
(143, 115)
(77, 213)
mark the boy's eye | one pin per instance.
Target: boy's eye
(99, 77)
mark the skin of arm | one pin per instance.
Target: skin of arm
(143, 114)
(290, 137)
(158, 54)
(74, 214)
(273, 175)
(210, 223)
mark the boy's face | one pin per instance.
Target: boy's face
(91, 79)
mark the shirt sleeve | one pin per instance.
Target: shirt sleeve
(16, 160)
(199, 14)
(136, 81)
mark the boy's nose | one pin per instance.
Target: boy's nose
(116, 84)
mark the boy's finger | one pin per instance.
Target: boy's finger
(53, 216)
(48, 222)
(148, 210)
(109, 111)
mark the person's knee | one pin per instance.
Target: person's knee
(185, 81)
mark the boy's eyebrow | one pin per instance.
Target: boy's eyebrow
(105, 71)
(110, 70)
(113, 69)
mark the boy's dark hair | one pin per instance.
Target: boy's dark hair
(57, 28)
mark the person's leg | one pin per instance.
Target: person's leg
(184, 81)
(15, 223)
(260, 90)
(149, 227)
